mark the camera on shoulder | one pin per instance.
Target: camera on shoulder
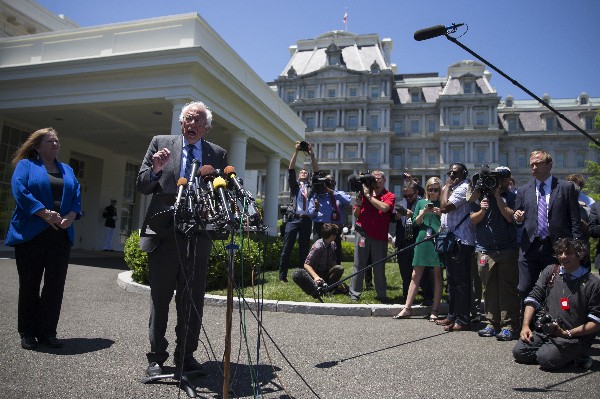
(487, 180)
(356, 181)
(303, 146)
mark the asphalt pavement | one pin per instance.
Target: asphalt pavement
(300, 355)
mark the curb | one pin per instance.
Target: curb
(125, 281)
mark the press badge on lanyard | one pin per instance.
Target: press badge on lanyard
(361, 242)
(564, 303)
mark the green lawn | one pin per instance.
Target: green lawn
(274, 289)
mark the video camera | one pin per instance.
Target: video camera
(356, 181)
(487, 180)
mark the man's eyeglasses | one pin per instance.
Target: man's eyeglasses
(433, 190)
(194, 118)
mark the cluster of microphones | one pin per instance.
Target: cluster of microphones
(220, 201)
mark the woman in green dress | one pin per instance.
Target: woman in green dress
(427, 216)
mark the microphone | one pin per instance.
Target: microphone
(219, 185)
(435, 31)
(207, 172)
(181, 183)
(229, 172)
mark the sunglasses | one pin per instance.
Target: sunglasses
(433, 190)
(453, 172)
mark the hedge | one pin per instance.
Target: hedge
(260, 252)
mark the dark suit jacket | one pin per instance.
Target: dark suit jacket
(164, 189)
(563, 211)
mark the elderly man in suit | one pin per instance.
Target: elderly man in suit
(173, 258)
(548, 209)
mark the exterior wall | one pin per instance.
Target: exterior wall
(426, 122)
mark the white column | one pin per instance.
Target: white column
(237, 152)
(177, 106)
(271, 203)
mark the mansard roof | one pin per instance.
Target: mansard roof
(358, 52)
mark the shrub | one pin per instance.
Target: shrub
(347, 251)
(136, 259)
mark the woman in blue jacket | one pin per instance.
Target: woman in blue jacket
(48, 199)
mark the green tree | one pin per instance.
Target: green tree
(592, 183)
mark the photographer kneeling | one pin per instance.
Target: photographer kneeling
(567, 300)
(320, 266)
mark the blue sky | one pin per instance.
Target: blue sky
(549, 46)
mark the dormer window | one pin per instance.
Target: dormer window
(292, 73)
(415, 96)
(468, 88)
(509, 102)
(375, 67)
(583, 99)
(550, 123)
(334, 55)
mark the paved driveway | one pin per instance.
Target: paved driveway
(104, 329)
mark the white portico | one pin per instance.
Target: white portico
(108, 89)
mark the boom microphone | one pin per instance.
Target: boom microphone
(181, 183)
(435, 31)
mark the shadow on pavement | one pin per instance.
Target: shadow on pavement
(78, 346)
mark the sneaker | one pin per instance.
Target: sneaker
(154, 369)
(487, 332)
(505, 335)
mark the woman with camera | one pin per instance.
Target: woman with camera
(426, 216)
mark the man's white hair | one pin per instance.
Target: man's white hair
(198, 104)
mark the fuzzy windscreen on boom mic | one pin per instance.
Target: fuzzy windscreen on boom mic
(219, 182)
(228, 171)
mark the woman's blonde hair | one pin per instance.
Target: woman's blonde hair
(29, 148)
(431, 182)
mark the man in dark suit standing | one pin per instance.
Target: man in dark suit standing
(548, 209)
(172, 258)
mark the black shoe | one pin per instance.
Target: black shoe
(51, 342)
(29, 343)
(191, 364)
(383, 299)
(154, 369)
(283, 279)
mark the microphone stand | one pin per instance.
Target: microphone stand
(231, 248)
(520, 86)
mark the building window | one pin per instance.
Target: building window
(311, 93)
(374, 92)
(415, 127)
(512, 123)
(432, 157)
(589, 122)
(431, 126)
(456, 154)
(415, 96)
(10, 140)
(352, 121)
(522, 160)
(398, 160)
(509, 103)
(373, 155)
(329, 121)
(480, 118)
(353, 92)
(399, 128)
(480, 154)
(351, 151)
(128, 205)
(290, 96)
(415, 159)
(331, 93)
(456, 119)
(328, 151)
(580, 159)
(310, 122)
(503, 159)
(374, 122)
(550, 124)
(559, 160)
(583, 100)
(468, 87)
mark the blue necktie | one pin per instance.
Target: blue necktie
(542, 229)
(188, 160)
